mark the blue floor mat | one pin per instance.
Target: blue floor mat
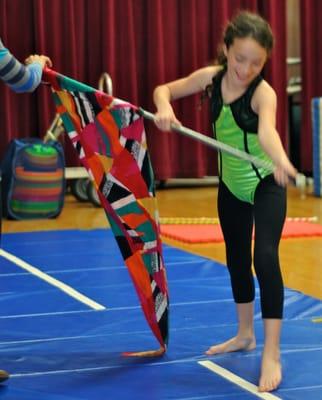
(56, 347)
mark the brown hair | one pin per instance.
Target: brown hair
(247, 24)
(244, 25)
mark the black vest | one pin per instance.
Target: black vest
(241, 108)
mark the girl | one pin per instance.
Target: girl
(243, 115)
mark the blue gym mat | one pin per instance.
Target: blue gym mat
(57, 347)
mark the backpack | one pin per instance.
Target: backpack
(33, 179)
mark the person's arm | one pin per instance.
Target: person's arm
(163, 95)
(265, 104)
(19, 77)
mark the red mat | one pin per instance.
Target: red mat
(196, 233)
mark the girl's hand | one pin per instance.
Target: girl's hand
(284, 172)
(164, 118)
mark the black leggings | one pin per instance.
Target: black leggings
(237, 219)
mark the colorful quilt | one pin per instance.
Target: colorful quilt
(109, 137)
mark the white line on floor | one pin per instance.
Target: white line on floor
(48, 314)
(52, 281)
(237, 380)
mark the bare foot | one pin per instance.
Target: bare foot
(234, 344)
(271, 374)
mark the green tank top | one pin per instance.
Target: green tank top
(236, 124)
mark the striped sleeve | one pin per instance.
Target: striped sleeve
(17, 76)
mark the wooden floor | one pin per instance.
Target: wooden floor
(301, 259)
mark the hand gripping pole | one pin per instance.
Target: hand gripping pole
(300, 180)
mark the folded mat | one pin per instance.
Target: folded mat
(210, 233)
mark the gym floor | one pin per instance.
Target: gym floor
(64, 338)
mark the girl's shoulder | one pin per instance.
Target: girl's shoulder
(264, 89)
(205, 75)
(211, 70)
(264, 95)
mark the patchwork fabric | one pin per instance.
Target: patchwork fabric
(109, 137)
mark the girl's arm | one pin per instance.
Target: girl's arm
(265, 105)
(163, 95)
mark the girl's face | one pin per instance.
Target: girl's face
(245, 60)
